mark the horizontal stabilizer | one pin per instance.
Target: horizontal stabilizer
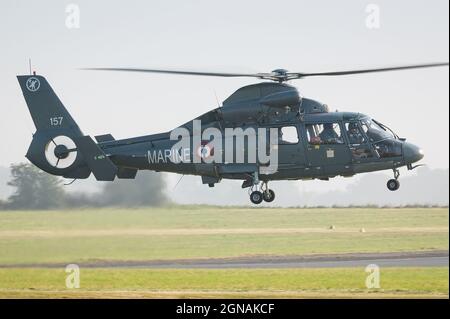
(104, 138)
(100, 164)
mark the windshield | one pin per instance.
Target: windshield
(376, 131)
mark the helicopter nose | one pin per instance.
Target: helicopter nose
(412, 153)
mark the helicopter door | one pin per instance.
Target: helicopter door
(326, 149)
(290, 149)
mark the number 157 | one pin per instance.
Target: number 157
(56, 121)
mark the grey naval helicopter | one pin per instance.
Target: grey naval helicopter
(312, 142)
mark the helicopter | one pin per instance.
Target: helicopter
(262, 132)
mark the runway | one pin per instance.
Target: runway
(394, 259)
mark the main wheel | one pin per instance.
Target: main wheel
(393, 185)
(269, 196)
(256, 197)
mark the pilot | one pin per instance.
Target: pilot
(354, 134)
(329, 135)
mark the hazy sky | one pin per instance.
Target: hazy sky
(227, 36)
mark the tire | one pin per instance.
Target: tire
(269, 196)
(256, 197)
(393, 185)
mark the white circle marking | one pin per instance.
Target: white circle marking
(33, 84)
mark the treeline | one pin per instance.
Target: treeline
(35, 189)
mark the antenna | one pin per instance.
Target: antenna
(29, 65)
(217, 99)
(178, 182)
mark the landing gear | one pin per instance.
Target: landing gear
(269, 196)
(260, 191)
(394, 184)
(256, 197)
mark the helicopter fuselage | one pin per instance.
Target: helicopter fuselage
(300, 156)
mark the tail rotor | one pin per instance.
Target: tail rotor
(61, 152)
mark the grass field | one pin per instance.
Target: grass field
(30, 238)
(256, 283)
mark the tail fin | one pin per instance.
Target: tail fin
(53, 148)
(45, 107)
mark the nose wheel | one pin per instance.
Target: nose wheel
(394, 184)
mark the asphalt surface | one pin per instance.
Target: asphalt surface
(404, 262)
(398, 259)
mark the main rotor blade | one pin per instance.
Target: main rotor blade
(293, 75)
(177, 72)
(278, 75)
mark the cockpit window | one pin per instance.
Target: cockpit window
(374, 131)
(388, 148)
(328, 133)
(355, 136)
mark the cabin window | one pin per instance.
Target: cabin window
(327, 133)
(288, 135)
